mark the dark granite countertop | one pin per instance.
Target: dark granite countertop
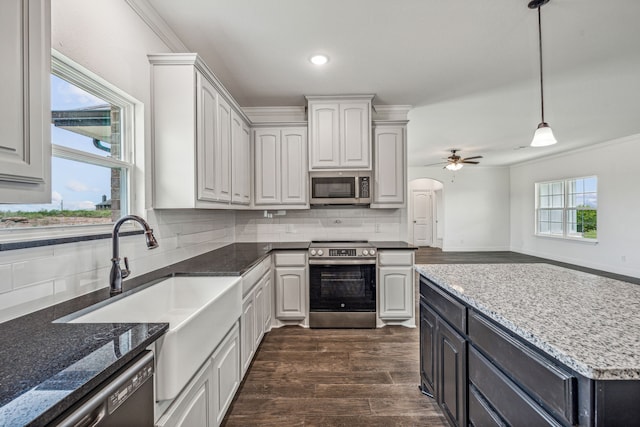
(47, 367)
(393, 245)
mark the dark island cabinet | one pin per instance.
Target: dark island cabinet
(482, 374)
(443, 353)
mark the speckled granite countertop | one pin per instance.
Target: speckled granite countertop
(589, 323)
(46, 367)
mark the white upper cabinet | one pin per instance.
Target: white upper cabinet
(324, 135)
(240, 160)
(195, 127)
(355, 135)
(293, 152)
(340, 132)
(223, 149)
(25, 110)
(281, 177)
(390, 155)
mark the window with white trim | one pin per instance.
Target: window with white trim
(568, 208)
(92, 163)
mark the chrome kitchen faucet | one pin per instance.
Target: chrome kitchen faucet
(117, 273)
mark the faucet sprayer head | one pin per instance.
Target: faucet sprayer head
(152, 243)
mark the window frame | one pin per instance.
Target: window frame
(72, 72)
(566, 235)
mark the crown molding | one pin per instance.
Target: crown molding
(159, 26)
(390, 112)
(274, 115)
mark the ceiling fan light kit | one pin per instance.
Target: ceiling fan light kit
(543, 135)
(454, 166)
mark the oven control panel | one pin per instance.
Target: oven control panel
(342, 252)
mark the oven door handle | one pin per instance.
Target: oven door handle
(341, 261)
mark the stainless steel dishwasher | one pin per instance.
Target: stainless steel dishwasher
(124, 400)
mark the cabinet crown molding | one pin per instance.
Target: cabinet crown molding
(391, 112)
(276, 115)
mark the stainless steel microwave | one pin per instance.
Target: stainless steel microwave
(340, 188)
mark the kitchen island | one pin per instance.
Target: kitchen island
(516, 322)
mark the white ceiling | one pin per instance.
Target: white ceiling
(469, 68)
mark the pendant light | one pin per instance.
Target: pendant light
(543, 135)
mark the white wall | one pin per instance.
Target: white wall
(618, 244)
(322, 224)
(108, 38)
(476, 206)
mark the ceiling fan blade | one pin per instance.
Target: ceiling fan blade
(435, 164)
(471, 158)
(471, 163)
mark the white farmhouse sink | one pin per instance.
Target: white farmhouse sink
(199, 310)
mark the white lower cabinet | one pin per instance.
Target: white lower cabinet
(225, 366)
(396, 285)
(247, 329)
(291, 285)
(267, 287)
(257, 309)
(205, 400)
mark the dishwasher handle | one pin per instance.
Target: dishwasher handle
(90, 418)
(111, 395)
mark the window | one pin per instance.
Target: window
(92, 165)
(568, 208)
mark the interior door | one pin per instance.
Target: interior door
(422, 218)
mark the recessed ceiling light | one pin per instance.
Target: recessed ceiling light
(319, 59)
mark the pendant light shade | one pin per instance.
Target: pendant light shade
(454, 166)
(543, 135)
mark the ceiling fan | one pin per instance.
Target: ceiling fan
(455, 162)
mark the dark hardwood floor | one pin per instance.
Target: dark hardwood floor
(350, 377)
(335, 377)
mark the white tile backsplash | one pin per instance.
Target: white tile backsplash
(6, 278)
(34, 278)
(314, 224)
(31, 279)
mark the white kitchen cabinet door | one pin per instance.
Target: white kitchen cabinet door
(268, 301)
(245, 173)
(259, 320)
(324, 131)
(225, 366)
(291, 293)
(223, 150)
(247, 331)
(240, 160)
(293, 175)
(280, 158)
(192, 406)
(267, 166)
(355, 135)
(389, 167)
(207, 101)
(396, 292)
(25, 110)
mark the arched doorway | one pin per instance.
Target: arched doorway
(425, 212)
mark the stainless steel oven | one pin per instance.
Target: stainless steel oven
(340, 188)
(342, 285)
